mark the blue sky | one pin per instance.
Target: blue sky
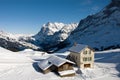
(28, 16)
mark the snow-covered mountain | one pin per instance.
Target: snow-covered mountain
(52, 34)
(15, 42)
(101, 30)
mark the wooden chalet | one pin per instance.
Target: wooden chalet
(57, 64)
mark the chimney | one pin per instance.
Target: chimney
(75, 44)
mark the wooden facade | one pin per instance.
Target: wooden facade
(50, 69)
(61, 67)
(66, 66)
(46, 71)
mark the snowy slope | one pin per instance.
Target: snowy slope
(101, 30)
(7, 56)
(52, 34)
(35, 55)
(16, 42)
(106, 67)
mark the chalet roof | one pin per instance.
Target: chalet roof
(44, 64)
(53, 60)
(77, 48)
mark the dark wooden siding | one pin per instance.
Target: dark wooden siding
(52, 68)
(46, 71)
(66, 66)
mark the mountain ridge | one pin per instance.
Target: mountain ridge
(98, 29)
(52, 34)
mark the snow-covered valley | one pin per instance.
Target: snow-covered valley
(107, 66)
(99, 31)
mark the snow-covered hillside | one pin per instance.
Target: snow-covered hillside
(18, 65)
(7, 56)
(52, 34)
(101, 30)
(15, 42)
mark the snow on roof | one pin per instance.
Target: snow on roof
(78, 47)
(44, 64)
(66, 72)
(58, 61)
(53, 60)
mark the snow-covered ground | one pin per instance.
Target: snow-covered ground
(15, 67)
(7, 56)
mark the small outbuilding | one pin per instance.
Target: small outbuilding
(82, 55)
(57, 64)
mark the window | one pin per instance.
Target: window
(84, 59)
(89, 51)
(87, 58)
(85, 52)
(76, 57)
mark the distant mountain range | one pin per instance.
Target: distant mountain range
(16, 42)
(50, 35)
(100, 31)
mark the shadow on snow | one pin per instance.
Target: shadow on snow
(36, 67)
(113, 57)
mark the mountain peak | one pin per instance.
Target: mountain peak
(54, 33)
(53, 24)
